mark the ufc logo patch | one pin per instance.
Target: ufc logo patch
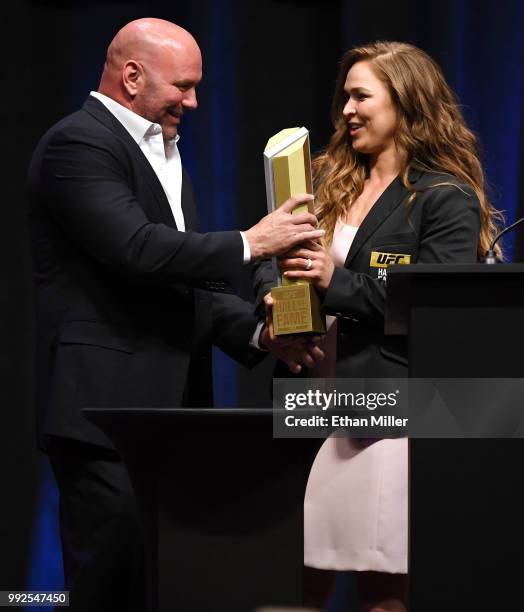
(383, 260)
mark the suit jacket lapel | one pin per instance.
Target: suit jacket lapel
(383, 207)
(188, 203)
(98, 110)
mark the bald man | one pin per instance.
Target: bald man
(130, 296)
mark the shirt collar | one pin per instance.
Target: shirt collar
(137, 126)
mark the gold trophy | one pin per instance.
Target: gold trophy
(287, 165)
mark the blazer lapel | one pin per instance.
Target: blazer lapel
(383, 207)
(100, 112)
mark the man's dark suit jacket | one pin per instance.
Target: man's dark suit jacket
(127, 306)
(441, 225)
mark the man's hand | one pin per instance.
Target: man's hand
(280, 231)
(297, 351)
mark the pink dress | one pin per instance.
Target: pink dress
(356, 502)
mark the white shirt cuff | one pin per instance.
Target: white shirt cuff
(255, 338)
(247, 250)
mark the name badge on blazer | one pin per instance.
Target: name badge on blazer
(382, 261)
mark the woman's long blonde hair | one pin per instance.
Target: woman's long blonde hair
(431, 131)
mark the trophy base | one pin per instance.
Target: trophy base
(296, 310)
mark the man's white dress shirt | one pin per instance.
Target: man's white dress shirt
(164, 159)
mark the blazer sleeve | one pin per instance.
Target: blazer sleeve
(82, 182)
(449, 233)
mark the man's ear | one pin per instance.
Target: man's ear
(132, 77)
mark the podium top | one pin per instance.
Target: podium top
(151, 426)
(448, 269)
(454, 287)
(174, 412)
(145, 425)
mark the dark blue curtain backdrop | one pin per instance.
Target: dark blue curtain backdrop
(267, 65)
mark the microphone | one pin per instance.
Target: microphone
(491, 257)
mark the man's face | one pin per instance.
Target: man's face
(168, 87)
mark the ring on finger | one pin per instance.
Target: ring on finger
(309, 263)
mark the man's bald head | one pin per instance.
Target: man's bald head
(146, 39)
(152, 68)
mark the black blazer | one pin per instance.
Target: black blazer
(127, 306)
(441, 225)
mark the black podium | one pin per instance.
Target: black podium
(466, 510)
(222, 505)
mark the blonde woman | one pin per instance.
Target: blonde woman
(400, 175)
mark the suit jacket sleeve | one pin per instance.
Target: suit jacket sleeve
(263, 282)
(82, 181)
(233, 326)
(449, 233)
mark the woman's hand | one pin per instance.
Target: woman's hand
(295, 351)
(311, 261)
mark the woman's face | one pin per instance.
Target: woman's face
(369, 111)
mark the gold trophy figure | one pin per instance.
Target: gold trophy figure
(287, 165)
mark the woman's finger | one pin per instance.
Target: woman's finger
(298, 263)
(291, 274)
(300, 253)
(313, 246)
